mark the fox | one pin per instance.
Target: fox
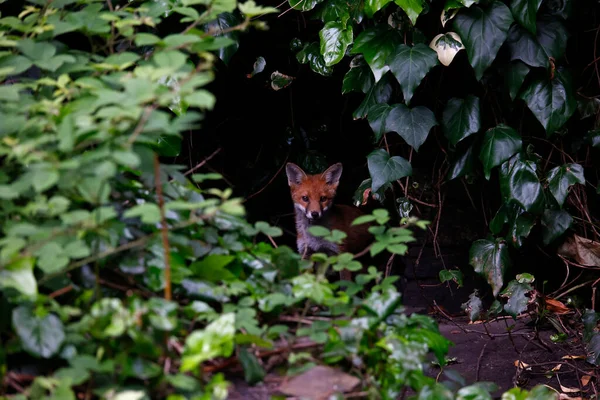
(313, 197)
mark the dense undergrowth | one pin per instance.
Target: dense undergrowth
(123, 277)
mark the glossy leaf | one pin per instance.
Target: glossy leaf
(359, 77)
(525, 12)
(378, 115)
(554, 224)
(551, 101)
(384, 169)
(19, 275)
(524, 46)
(412, 8)
(412, 124)
(490, 260)
(519, 223)
(483, 30)
(335, 10)
(517, 300)
(519, 183)
(379, 93)
(372, 6)
(499, 144)
(311, 55)
(514, 77)
(561, 178)
(303, 5)
(451, 275)
(446, 45)
(40, 336)
(335, 38)
(461, 118)
(410, 65)
(376, 45)
(217, 339)
(462, 164)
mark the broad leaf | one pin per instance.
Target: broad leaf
(303, 5)
(412, 8)
(552, 101)
(311, 55)
(483, 30)
(554, 224)
(253, 371)
(517, 300)
(372, 6)
(490, 260)
(376, 45)
(499, 144)
(359, 77)
(335, 10)
(552, 36)
(451, 275)
(462, 164)
(384, 169)
(514, 77)
(412, 124)
(461, 118)
(381, 92)
(473, 307)
(335, 38)
(446, 45)
(519, 223)
(216, 340)
(519, 183)
(19, 275)
(40, 336)
(378, 115)
(563, 177)
(525, 12)
(410, 65)
(524, 46)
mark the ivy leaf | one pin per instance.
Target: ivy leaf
(519, 222)
(461, 118)
(552, 101)
(483, 30)
(303, 5)
(335, 10)
(490, 260)
(451, 275)
(372, 6)
(517, 299)
(410, 65)
(514, 77)
(384, 169)
(40, 336)
(412, 8)
(462, 164)
(19, 275)
(335, 38)
(552, 36)
(446, 45)
(473, 307)
(381, 92)
(554, 224)
(561, 178)
(525, 12)
(524, 46)
(378, 115)
(216, 340)
(499, 144)
(359, 77)
(253, 371)
(311, 55)
(519, 183)
(412, 124)
(376, 45)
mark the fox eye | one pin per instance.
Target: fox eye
(304, 198)
(323, 199)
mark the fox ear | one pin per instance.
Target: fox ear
(294, 174)
(333, 174)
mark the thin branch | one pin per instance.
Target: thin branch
(270, 181)
(201, 164)
(164, 230)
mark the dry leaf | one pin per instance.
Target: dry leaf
(573, 357)
(520, 364)
(567, 389)
(319, 383)
(556, 368)
(585, 380)
(556, 307)
(562, 396)
(583, 251)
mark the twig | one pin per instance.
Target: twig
(270, 181)
(201, 163)
(60, 292)
(479, 362)
(272, 241)
(140, 126)
(163, 227)
(363, 252)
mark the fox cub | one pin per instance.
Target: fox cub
(313, 201)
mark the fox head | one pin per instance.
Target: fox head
(313, 194)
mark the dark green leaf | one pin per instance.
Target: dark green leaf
(590, 320)
(551, 101)
(280, 81)
(483, 30)
(372, 6)
(212, 268)
(499, 144)
(253, 371)
(303, 5)
(412, 124)
(359, 77)
(593, 350)
(514, 77)
(525, 12)
(378, 115)
(335, 10)
(524, 46)
(552, 36)
(554, 224)
(384, 169)
(490, 260)
(40, 336)
(410, 65)
(451, 275)
(461, 118)
(561, 178)
(517, 299)
(519, 183)
(335, 38)
(462, 164)
(311, 55)
(412, 8)
(381, 92)
(376, 45)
